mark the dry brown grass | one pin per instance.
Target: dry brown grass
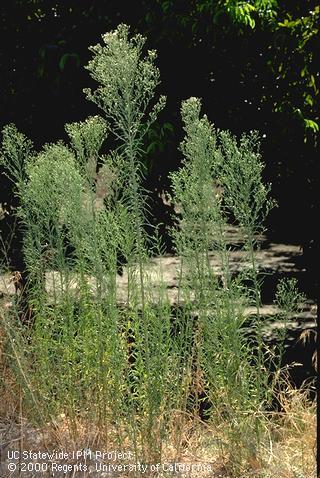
(287, 450)
(292, 449)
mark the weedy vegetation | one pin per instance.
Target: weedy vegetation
(145, 375)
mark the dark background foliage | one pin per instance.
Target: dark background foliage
(256, 67)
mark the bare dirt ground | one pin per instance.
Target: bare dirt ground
(273, 260)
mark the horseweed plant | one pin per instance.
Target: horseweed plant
(221, 352)
(109, 355)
